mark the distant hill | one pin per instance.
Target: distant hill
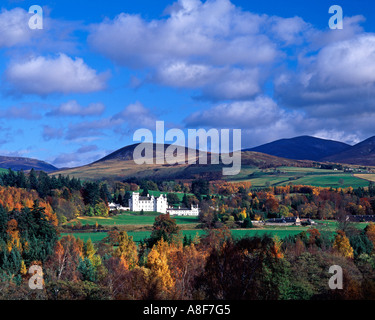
(362, 153)
(125, 153)
(120, 165)
(302, 148)
(20, 163)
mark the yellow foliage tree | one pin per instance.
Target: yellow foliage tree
(13, 232)
(277, 252)
(370, 232)
(342, 245)
(127, 249)
(157, 262)
(23, 268)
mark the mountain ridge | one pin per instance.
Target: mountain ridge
(362, 153)
(22, 163)
(302, 148)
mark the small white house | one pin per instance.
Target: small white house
(115, 206)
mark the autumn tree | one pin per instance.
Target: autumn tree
(370, 232)
(186, 263)
(164, 228)
(342, 245)
(157, 262)
(127, 249)
(250, 268)
(63, 263)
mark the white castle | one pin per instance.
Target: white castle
(158, 204)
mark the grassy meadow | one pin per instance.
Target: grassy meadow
(130, 219)
(298, 176)
(188, 224)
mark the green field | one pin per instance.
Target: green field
(130, 219)
(281, 232)
(298, 176)
(137, 235)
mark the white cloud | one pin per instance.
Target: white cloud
(73, 108)
(44, 76)
(260, 111)
(211, 46)
(338, 81)
(290, 30)
(215, 31)
(14, 28)
(136, 116)
(225, 83)
(260, 119)
(337, 136)
(132, 116)
(347, 63)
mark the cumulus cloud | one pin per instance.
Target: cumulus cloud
(45, 75)
(136, 115)
(216, 31)
(131, 117)
(335, 88)
(14, 29)
(217, 83)
(73, 108)
(322, 38)
(261, 111)
(347, 63)
(211, 46)
(291, 30)
(260, 119)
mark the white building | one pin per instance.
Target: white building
(115, 206)
(193, 211)
(158, 204)
(139, 203)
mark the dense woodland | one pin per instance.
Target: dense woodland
(34, 207)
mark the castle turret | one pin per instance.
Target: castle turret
(134, 202)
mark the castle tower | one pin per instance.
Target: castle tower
(161, 204)
(134, 202)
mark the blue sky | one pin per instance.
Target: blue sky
(78, 89)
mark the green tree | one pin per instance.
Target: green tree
(164, 228)
(247, 223)
(173, 199)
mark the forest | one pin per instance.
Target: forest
(166, 265)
